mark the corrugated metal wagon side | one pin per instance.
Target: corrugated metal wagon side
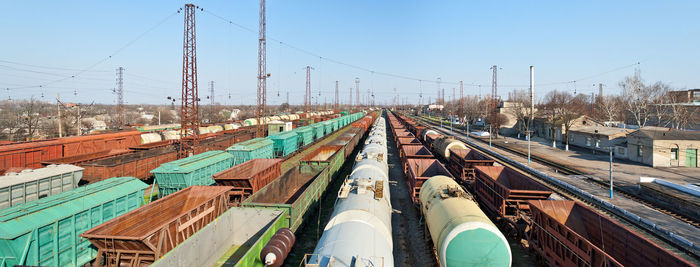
(143, 235)
(505, 191)
(28, 185)
(249, 177)
(419, 171)
(462, 163)
(194, 170)
(567, 233)
(45, 232)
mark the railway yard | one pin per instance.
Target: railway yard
(374, 188)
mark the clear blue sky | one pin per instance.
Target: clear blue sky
(454, 40)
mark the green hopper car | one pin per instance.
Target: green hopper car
(45, 232)
(319, 130)
(305, 135)
(284, 143)
(258, 148)
(194, 170)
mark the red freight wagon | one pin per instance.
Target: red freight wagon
(78, 145)
(505, 191)
(137, 164)
(75, 160)
(29, 154)
(430, 138)
(567, 233)
(249, 177)
(402, 141)
(462, 163)
(143, 235)
(419, 171)
(413, 152)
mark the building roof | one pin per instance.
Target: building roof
(669, 134)
(602, 130)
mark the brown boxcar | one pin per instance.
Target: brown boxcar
(137, 164)
(505, 191)
(29, 154)
(419, 171)
(567, 233)
(143, 235)
(249, 177)
(77, 145)
(462, 162)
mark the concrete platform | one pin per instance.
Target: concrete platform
(624, 174)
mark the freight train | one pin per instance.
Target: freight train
(359, 231)
(560, 232)
(31, 154)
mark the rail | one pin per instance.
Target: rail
(573, 192)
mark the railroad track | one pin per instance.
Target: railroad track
(567, 170)
(569, 194)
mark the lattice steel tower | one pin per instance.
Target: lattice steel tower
(357, 92)
(189, 111)
(337, 104)
(494, 103)
(260, 112)
(120, 97)
(307, 96)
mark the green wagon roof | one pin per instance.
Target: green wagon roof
(252, 144)
(282, 135)
(303, 129)
(25, 217)
(192, 163)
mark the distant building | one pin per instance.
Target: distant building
(664, 148)
(687, 96)
(597, 137)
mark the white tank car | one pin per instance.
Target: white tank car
(359, 232)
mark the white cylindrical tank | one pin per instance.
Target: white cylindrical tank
(443, 144)
(147, 138)
(215, 128)
(359, 232)
(171, 134)
(461, 232)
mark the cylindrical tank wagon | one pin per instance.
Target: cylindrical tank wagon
(359, 231)
(461, 232)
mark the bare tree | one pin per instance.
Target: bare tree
(564, 109)
(638, 99)
(520, 109)
(609, 108)
(674, 113)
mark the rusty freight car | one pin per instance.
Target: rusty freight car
(143, 235)
(567, 233)
(462, 162)
(505, 191)
(136, 164)
(249, 177)
(419, 171)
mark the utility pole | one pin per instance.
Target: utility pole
(80, 120)
(337, 105)
(211, 93)
(494, 101)
(532, 110)
(611, 171)
(307, 100)
(58, 106)
(395, 99)
(262, 72)
(120, 97)
(460, 111)
(350, 108)
(211, 103)
(189, 109)
(357, 92)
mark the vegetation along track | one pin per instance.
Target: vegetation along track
(662, 240)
